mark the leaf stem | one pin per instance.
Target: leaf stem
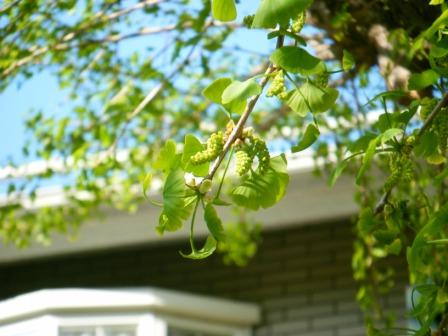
(193, 218)
(224, 174)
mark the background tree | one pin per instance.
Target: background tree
(180, 112)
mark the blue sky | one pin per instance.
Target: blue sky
(41, 92)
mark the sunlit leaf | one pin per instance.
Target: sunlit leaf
(310, 98)
(297, 60)
(271, 13)
(310, 137)
(192, 146)
(213, 222)
(224, 10)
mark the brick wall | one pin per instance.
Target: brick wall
(301, 278)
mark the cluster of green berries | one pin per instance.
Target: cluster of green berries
(278, 87)
(401, 170)
(243, 161)
(252, 146)
(322, 79)
(440, 125)
(214, 147)
(297, 24)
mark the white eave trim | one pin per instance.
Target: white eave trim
(147, 299)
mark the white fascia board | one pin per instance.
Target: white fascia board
(148, 299)
(308, 200)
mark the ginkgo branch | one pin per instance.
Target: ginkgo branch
(238, 129)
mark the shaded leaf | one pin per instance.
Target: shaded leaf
(367, 159)
(337, 171)
(206, 251)
(348, 61)
(419, 81)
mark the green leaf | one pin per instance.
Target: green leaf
(438, 242)
(419, 81)
(427, 144)
(348, 62)
(271, 13)
(214, 223)
(224, 10)
(240, 91)
(206, 251)
(263, 190)
(394, 247)
(167, 157)
(337, 171)
(216, 88)
(215, 91)
(177, 202)
(310, 137)
(436, 2)
(387, 95)
(433, 227)
(296, 60)
(192, 146)
(311, 98)
(390, 134)
(367, 159)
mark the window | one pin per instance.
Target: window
(124, 312)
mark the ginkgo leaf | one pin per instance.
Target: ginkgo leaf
(213, 222)
(419, 81)
(297, 60)
(271, 13)
(263, 190)
(310, 137)
(310, 98)
(167, 157)
(206, 251)
(224, 10)
(240, 91)
(177, 202)
(347, 60)
(216, 88)
(192, 146)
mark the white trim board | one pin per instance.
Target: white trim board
(148, 299)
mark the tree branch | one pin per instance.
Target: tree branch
(238, 129)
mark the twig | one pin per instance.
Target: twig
(238, 129)
(149, 97)
(72, 35)
(9, 6)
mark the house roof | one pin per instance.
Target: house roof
(308, 200)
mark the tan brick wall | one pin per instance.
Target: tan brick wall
(301, 278)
